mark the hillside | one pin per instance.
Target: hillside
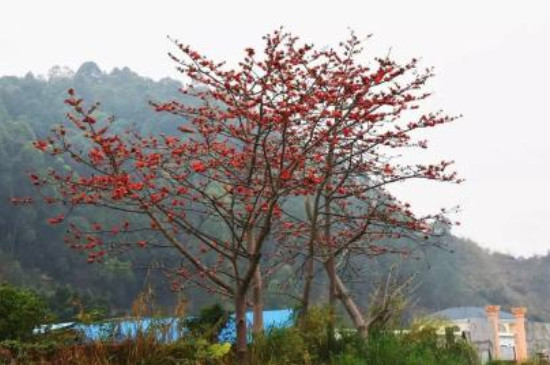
(470, 275)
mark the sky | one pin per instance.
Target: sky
(491, 60)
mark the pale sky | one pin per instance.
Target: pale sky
(492, 61)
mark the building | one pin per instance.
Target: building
(496, 334)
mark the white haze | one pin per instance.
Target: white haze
(491, 60)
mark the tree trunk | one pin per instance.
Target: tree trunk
(330, 263)
(331, 271)
(257, 300)
(310, 263)
(308, 279)
(240, 325)
(351, 307)
(257, 303)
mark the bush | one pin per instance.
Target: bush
(307, 343)
(192, 351)
(422, 347)
(281, 346)
(208, 324)
(21, 310)
(314, 328)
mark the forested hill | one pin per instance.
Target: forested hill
(32, 252)
(470, 275)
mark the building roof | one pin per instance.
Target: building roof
(456, 313)
(166, 329)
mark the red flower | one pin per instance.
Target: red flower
(198, 166)
(35, 180)
(40, 145)
(379, 76)
(286, 175)
(89, 120)
(56, 220)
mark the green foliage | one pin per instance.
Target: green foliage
(208, 323)
(414, 348)
(192, 351)
(307, 343)
(314, 329)
(280, 346)
(14, 351)
(69, 304)
(21, 311)
(304, 343)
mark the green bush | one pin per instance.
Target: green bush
(307, 343)
(421, 347)
(281, 346)
(417, 347)
(190, 351)
(314, 328)
(21, 310)
(208, 323)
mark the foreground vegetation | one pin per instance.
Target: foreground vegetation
(201, 340)
(305, 343)
(204, 339)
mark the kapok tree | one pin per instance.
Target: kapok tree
(293, 122)
(367, 118)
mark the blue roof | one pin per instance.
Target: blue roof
(272, 319)
(468, 312)
(166, 329)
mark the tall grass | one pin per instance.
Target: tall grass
(308, 344)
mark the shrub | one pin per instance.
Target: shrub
(21, 310)
(281, 346)
(209, 323)
(192, 351)
(418, 347)
(314, 328)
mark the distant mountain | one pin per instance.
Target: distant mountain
(30, 249)
(468, 275)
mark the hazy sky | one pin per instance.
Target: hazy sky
(492, 60)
